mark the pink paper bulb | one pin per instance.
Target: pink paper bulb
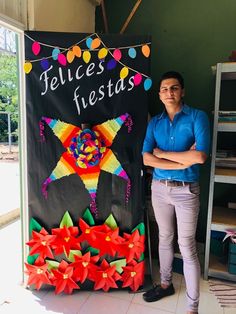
(137, 79)
(36, 48)
(61, 59)
(117, 54)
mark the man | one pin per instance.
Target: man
(176, 142)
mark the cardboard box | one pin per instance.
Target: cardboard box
(232, 258)
(217, 246)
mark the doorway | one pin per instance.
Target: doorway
(12, 151)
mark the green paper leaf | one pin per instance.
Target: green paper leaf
(34, 225)
(72, 254)
(88, 217)
(110, 222)
(66, 221)
(141, 228)
(52, 264)
(119, 263)
(142, 257)
(92, 250)
(32, 258)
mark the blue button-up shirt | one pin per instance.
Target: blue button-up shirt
(189, 126)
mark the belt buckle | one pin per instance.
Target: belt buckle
(177, 183)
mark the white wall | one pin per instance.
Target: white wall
(15, 10)
(61, 15)
(52, 15)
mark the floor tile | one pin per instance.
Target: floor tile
(120, 294)
(22, 299)
(228, 310)
(207, 305)
(66, 304)
(141, 309)
(98, 303)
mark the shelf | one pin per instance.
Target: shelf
(219, 270)
(223, 218)
(228, 71)
(223, 170)
(225, 175)
(227, 127)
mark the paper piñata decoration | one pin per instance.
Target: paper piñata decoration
(87, 153)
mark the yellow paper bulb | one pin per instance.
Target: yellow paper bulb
(27, 67)
(86, 56)
(77, 51)
(70, 56)
(124, 72)
(102, 53)
(146, 51)
(96, 43)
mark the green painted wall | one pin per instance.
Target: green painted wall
(187, 36)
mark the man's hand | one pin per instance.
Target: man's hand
(186, 158)
(193, 147)
(153, 161)
(157, 152)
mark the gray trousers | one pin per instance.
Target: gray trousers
(181, 202)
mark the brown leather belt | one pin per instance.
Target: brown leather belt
(174, 183)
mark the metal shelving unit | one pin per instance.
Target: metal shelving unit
(219, 218)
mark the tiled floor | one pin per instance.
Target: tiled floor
(14, 298)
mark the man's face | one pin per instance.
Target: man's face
(171, 92)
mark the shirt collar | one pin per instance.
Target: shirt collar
(185, 109)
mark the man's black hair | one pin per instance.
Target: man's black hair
(172, 74)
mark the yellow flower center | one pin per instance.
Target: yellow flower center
(133, 273)
(65, 276)
(67, 239)
(44, 243)
(131, 245)
(87, 231)
(85, 264)
(104, 275)
(108, 238)
(39, 271)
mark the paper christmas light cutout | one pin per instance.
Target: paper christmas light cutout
(36, 48)
(87, 153)
(70, 271)
(94, 44)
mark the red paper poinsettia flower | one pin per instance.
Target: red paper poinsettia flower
(107, 241)
(133, 247)
(41, 243)
(89, 233)
(133, 275)
(105, 277)
(38, 275)
(63, 278)
(83, 266)
(65, 240)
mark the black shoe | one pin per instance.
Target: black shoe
(158, 293)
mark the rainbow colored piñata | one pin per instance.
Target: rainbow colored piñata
(87, 153)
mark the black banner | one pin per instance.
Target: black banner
(85, 89)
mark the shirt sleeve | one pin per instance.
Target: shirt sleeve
(202, 132)
(149, 141)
